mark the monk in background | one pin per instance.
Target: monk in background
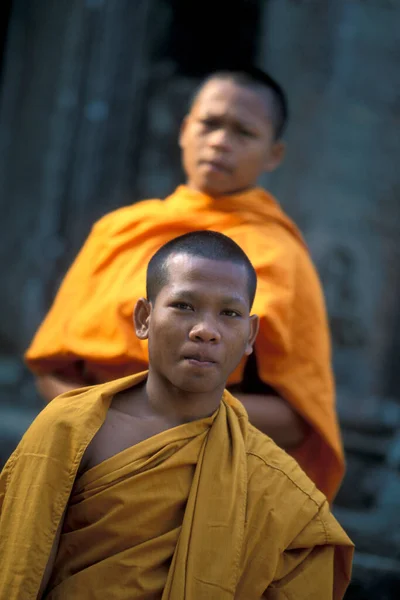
(156, 486)
(231, 135)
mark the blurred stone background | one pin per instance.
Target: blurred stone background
(92, 95)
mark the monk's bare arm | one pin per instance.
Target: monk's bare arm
(275, 417)
(52, 385)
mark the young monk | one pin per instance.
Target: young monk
(231, 135)
(156, 485)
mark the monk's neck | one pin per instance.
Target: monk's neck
(178, 406)
(216, 196)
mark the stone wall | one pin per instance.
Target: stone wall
(90, 110)
(73, 99)
(340, 182)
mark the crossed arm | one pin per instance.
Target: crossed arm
(274, 416)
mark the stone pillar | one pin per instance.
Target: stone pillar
(72, 107)
(339, 64)
(71, 113)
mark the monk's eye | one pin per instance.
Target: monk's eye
(231, 313)
(210, 123)
(182, 306)
(245, 132)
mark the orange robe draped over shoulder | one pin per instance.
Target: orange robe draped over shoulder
(91, 318)
(208, 510)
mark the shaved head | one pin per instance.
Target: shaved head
(261, 83)
(203, 244)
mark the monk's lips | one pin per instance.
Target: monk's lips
(197, 361)
(216, 165)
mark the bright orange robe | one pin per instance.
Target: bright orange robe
(208, 510)
(91, 318)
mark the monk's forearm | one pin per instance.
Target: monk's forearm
(275, 417)
(52, 385)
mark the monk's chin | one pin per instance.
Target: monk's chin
(199, 385)
(215, 186)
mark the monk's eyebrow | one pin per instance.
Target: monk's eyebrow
(186, 294)
(233, 299)
(189, 295)
(220, 118)
(216, 115)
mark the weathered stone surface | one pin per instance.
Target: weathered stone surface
(340, 181)
(339, 63)
(90, 110)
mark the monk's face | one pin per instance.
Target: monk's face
(199, 326)
(227, 140)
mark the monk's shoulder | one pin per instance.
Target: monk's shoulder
(270, 248)
(122, 217)
(271, 468)
(282, 259)
(68, 418)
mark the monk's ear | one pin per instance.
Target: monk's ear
(254, 325)
(276, 156)
(141, 318)
(182, 131)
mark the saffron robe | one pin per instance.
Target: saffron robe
(211, 509)
(91, 318)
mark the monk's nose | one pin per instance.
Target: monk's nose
(220, 140)
(204, 332)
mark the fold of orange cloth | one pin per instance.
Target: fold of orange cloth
(209, 509)
(91, 318)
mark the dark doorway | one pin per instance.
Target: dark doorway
(208, 35)
(5, 12)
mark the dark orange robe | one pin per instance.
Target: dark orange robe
(208, 510)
